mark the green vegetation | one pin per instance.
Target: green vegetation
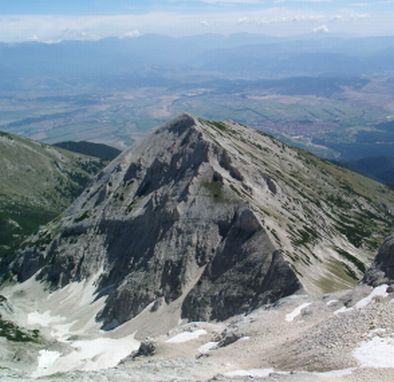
(360, 228)
(14, 333)
(359, 264)
(305, 236)
(337, 201)
(84, 216)
(358, 204)
(217, 125)
(37, 183)
(215, 189)
(344, 277)
(18, 222)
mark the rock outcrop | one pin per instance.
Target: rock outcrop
(382, 270)
(214, 215)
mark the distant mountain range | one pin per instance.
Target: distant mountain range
(154, 60)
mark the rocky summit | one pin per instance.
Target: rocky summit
(215, 216)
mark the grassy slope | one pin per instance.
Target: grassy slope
(360, 208)
(327, 217)
(37, 182)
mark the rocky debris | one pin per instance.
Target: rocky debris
(5, 306)
(382, 270)
(228, 338)
(272, 186)
(328, 345)
(146, 349)
(301, 351)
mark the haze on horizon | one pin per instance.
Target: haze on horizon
(50, 21)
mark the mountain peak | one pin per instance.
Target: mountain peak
(181, 122)
(213, 217)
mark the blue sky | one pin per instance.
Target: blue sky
(56, 20)
(84, 7)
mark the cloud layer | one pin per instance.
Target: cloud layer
(279, 20)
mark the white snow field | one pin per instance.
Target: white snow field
(206, 348)
(186, 336)
(376, 353)
(380, 291)
(251, 373)
(67, 316)
(95, 354)
(45, 360)
(296, 312)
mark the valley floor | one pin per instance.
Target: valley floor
(343, 337)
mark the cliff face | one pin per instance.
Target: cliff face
(382, 270)
(214, 213)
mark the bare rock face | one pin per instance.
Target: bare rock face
(146, 349)
(212, 215)
(153, 221)
(382, 270)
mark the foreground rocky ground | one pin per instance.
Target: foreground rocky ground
(345, 337)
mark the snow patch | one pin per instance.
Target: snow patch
(186, 336)
(251, 373)
(43, 319)
(206, 348)
(332, 302)
(68, 316)
(376, 331)
(376, 353)
(336, 373)
(62, 332)
(46, 359)
(96, 354)
(262, 373)
(296, 312)
(380, 291)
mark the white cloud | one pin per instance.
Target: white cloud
(133, 33)
(277, 21)
(232, 1)
(242, 20)
(321, 29)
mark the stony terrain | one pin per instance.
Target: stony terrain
(297, 339)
